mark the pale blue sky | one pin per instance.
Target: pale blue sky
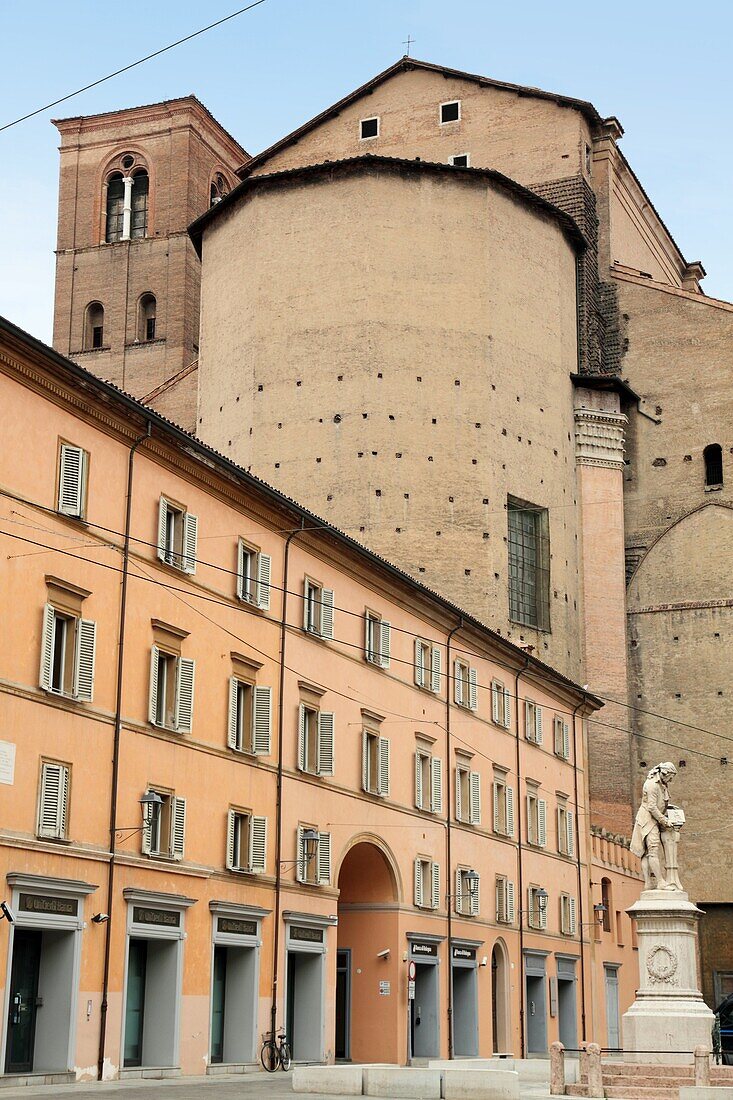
(663, 68)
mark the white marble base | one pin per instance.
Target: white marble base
(669, 1018)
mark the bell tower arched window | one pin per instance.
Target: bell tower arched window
(140, 192)
(93, 326)
(146, 318)
(115, 207)
(219, 188)
(713, 457)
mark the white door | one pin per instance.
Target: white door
(612, 1017)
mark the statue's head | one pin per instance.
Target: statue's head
(666, 771)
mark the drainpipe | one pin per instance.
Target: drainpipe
(520, 881)
(448, 872)
(116, 755)
(278, 803)
(580, 872)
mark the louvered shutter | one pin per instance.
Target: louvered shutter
(541, 822)
(459, 890)
(497, 815)
(500, 900)
(385, 643)
(324, 763)
(324, 859)
(418, 780)
(47, 647)
(538, 724)
(435, 669)
(496, 703)
(566, 740)
(233, 740)
(474, 782)
(364, 760)
(231, 826)
(507, 709)
(475, 898)
(264, 566)
(418, 882)
(153, 691)
(190, 540)
(241, 558)
(510, 811)
(419, 663)
(146, 833)
(435, 884)
(459, 808)
(327, 613)
(571, 913)
(84, 663)
(71, 480)
(531, 826)
(473, 689)
(163, 529)
(300, 867)
(543, 916)
(257, 845)
(383, 766)
(185, 669)
(52, 800)
(307, 595)
(528, 719)
(262, 724)
(561, 831)
(510, 903)
(436, 785)
(178, 827)
(532, 910)
(457, 683)
(570, 826)
(301, 738)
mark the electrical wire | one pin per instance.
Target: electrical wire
(132, 65)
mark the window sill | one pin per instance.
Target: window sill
(144, 343)
(62, 840)
(90, 351)
(713, 488)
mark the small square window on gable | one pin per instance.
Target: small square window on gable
(450, 112)
(461, 160)
(368, 128)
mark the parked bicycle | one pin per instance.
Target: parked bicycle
(276, 1052)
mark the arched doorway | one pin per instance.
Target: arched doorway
(500, 999)
(367, 965)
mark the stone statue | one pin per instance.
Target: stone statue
(658, 826)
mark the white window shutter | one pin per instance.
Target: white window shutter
(473, 689)
(571, 909)
(418, 882)
(233, 722)
(262, 725)
(507, 708)
(561, 828)
(47, 647)
(459, 808)
(153, 690)
(528, 720)
(542, 924)
(383, 766)
(178, 827)
(306, 589)
(300, 867)
(435, 883)
(231, 826)
(497, 816)
(459, 890)
(496, 703)
(510, 902)
(301, 738)
(419, 663)
(566, 740)
(385, 643)
(436, 785)
(52, 800)
(436, 661)
(538, 724)
(500, 900)
(364, 760)
(542, 822)
(190, 541)
(532, 913)
(324, 859)
(570, 825)
(257, 845)
(531, 826)
(241, 552)
(71, 480)
(457, 684)
(327, 613)
(324, 763)
(146, 837)
(264, 566)
(162, 529)
(475, 899)
(185, 670)
(474, 782)
(418, 780)
(84, 662)
(510, 811)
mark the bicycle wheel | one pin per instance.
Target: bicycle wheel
(286, 1059)
(269, 1056)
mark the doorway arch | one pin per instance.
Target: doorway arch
(500, 999)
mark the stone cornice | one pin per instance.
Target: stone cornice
(599, 438)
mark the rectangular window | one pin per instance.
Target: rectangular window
(149, 328)
(375, 764)
(529, 565)
(465, 683)
(504, 900)
(177, 536)
(533, 721)
(250, 717)
(503, 807)
(246, 842)
(313, 862)
(461, 160)
(73, 466)
(317, 609)
(428, 782)
(501, 704)
(170, 704)
(450, 112)
(536, 820)
(253, 575)
(565, 830)
(53, 800)
(164, 831)
(562, 737)
(368, 128)
(567, 915)
(97, 336)
(427, 884)
(68, 647)
(536, 912)
(467, 897)
(377, 640)
(468, 796)
(428, 665)
(315, 740)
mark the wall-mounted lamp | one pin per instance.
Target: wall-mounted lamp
(150, 803)
(600, 909)
(310, 841)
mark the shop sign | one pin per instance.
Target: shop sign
(411, 991)
(465, 953)
(39, 903)
(237, 927)
(161, 917)
(430, 949)
(306, 934)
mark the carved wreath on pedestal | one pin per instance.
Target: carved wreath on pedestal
(661, 965)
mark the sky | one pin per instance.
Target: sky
(664, 69)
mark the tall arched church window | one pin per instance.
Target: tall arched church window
(93, 326)
(139, 216)
(713, 457)
(146, 318)
(219, 188)
(115, 207)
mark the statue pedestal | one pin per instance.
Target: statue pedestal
(669, 1018)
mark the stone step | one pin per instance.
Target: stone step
(642, 1092)
(643, 1069)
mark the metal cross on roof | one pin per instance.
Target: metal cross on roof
(409, 42)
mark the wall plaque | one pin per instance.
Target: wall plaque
(464, 953)
(237, 927)
(306, 934)
(429, 949)
(40, 903)
(165, 917)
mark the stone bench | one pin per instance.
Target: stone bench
(706, 1092)
(402, 1083)
(480, 1084)
(328, 1080)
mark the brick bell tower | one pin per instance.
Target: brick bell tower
(127, 276)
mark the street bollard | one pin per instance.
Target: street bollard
(702, 1067)
(557, 1069)
(595, 1073)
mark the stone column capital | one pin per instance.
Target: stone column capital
(599, 438)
